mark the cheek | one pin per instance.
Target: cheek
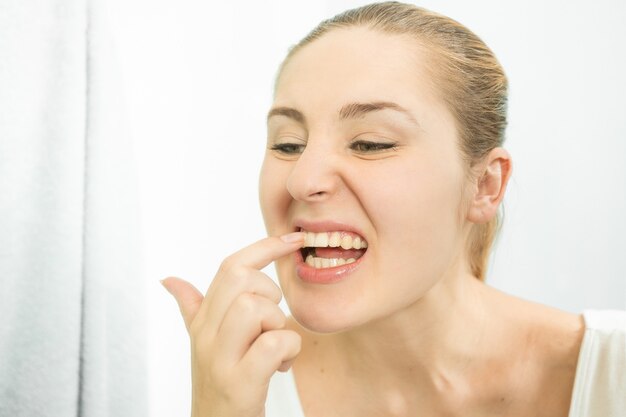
(405, 196)
(414, 214)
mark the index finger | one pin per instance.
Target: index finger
(263, 252)
(242, 265)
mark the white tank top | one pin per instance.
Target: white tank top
(599, 386)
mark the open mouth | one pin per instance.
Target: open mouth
(331, 249)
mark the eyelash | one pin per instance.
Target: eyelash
(374, 146)
(282, 148)
(288, 148)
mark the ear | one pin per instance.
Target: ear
(493, 176)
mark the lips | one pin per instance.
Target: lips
(331, 251)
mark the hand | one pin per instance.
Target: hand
(237, 331)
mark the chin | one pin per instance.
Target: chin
(323, 308)
(323, 316)
(316, 323)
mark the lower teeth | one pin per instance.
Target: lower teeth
(316, 262)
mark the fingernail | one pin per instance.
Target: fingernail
(292, 237)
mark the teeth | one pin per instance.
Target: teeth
(309, 239)
(346, 242)
(321, 240)
(334, 240)
(320, 263)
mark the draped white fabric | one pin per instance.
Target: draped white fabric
(72, 338)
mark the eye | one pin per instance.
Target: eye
(367, 146)
(288, 148)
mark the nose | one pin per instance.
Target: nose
(315, 176)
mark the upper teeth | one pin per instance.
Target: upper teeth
(334, 240)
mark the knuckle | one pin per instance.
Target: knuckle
(238, 275)
(276, 293)
(269, 342)
(234, 272)
(282, 317)
(247, 303)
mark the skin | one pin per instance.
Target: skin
(237, 331)
(411, 332)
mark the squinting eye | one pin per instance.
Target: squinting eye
(367, 146)
(288, 148)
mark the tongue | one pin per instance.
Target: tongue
(339, 253)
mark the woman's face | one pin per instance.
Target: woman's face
(390, 174)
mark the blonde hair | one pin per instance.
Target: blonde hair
(470, 81)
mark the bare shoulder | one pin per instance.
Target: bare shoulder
(553, 338)
(555, 335)
(558, 343)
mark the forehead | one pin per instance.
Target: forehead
(356, 64)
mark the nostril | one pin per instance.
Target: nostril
(318, 194)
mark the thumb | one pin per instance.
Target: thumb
(187, 296)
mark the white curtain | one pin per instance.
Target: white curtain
(72, 338)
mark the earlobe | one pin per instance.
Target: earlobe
(491, 186)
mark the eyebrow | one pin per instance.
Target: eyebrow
(348, 111)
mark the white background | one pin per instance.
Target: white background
(198, 80)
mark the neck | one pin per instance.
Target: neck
(463, 347)
(440, 352)
(433, 340)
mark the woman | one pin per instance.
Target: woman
(380, 190)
